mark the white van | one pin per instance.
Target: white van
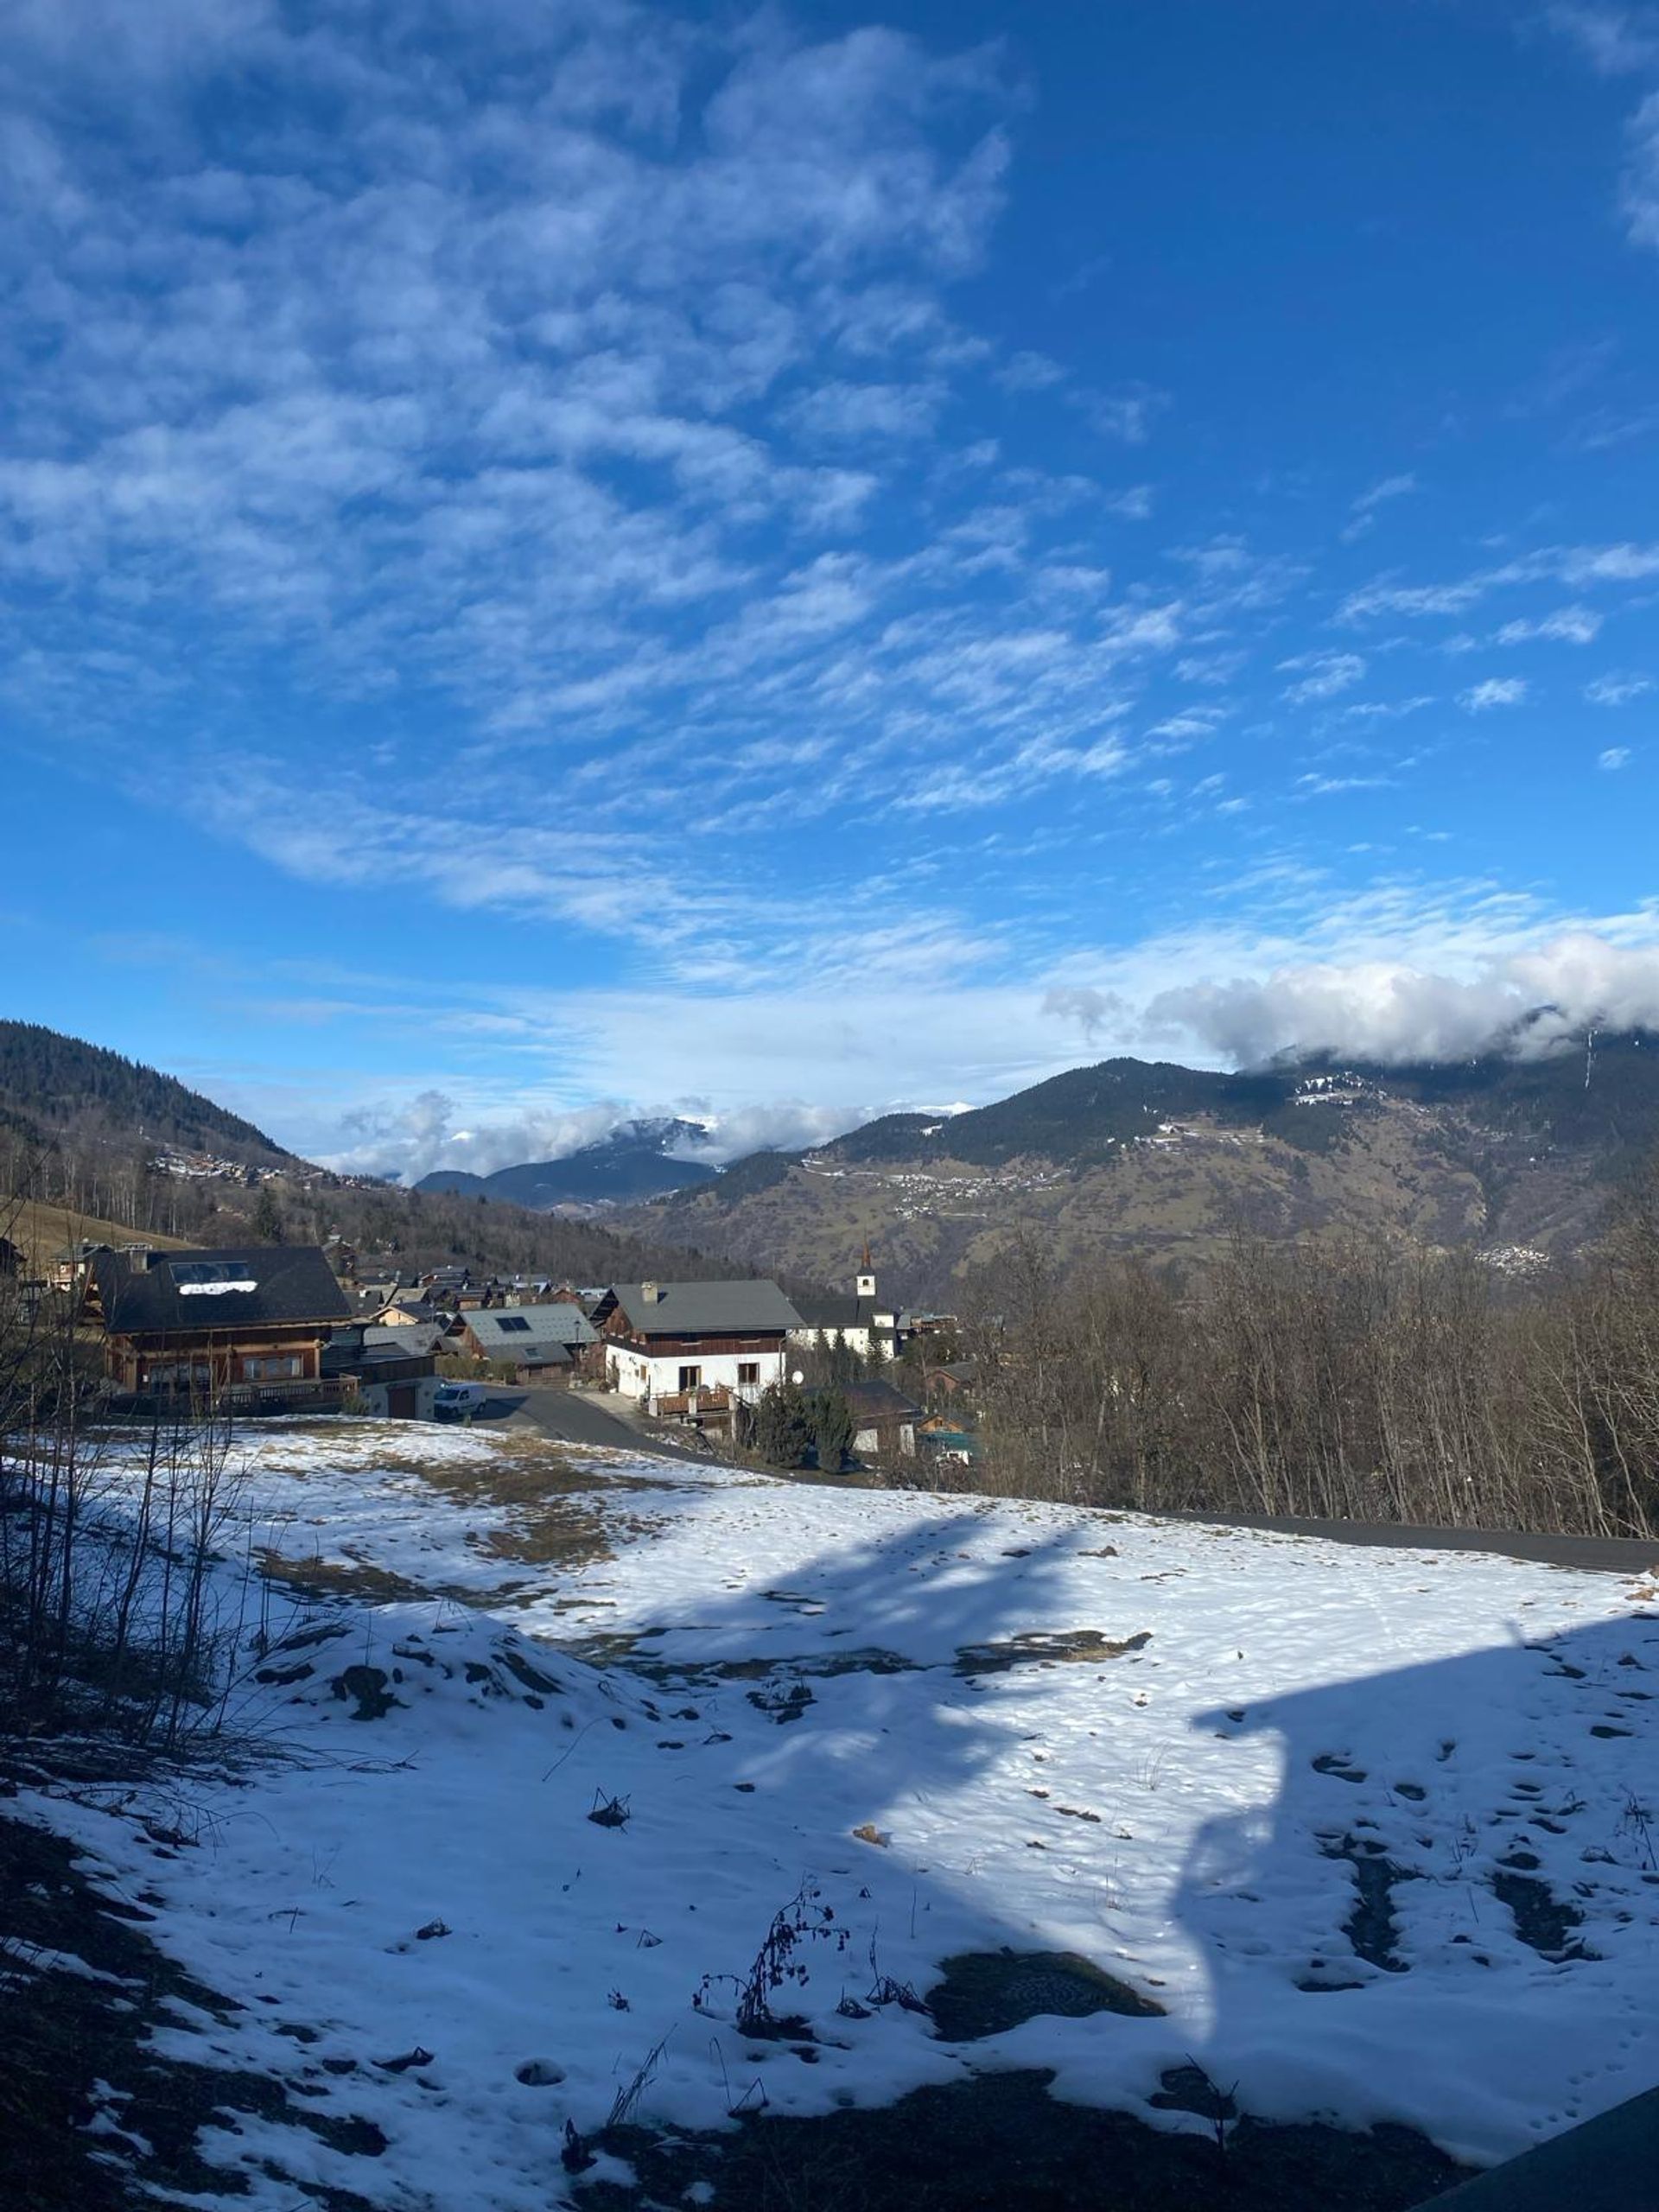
(457, 1401)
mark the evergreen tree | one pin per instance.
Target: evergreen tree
(845, 1364)
(830, 1419)
(267, 1217)
(783, 1432)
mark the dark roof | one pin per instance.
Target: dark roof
(831, 1310)
(878, 1402)
(413, 1339)
(342, 1358)
(713, 1309)
(530, 1334)
(233, 1286)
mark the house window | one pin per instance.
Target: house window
(512, 1322)
(748, 1370)
(690, 1378)
(282, 1368)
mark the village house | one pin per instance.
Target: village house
(245, 1316)
(408, 1309)
(70, 1266)
(958, 1378)
(341, 1256)
(884, 1421)
(391, 1373)
(942, 1437)
(542, 1344)
(692, 1347)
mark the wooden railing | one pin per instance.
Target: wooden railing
(716, 1398)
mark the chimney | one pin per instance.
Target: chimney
(140, 1258)
(651, 1294)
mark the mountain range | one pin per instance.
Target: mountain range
(634, 1161)
(1514, 1153)
(91, 1141)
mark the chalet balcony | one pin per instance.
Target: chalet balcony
(244, 1400)
(688, 1405)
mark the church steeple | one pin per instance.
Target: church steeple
(865, 1286)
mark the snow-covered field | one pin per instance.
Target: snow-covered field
(953, 1725)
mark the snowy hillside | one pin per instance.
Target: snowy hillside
(1364, 1834)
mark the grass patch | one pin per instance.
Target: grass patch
(1000, 2139)
(988, 1992)
(1071, 1647)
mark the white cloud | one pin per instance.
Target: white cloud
(1127, 413)
(1572, 626)
(1576, 566)
(1326, 676)
(1614, 40)
(1390, 1009)
(1615, 757)
(1493, 691)
(1616, 690)
(1361, 512)
(851, 413)
(1383, 710)
(1641, 189)
(1029, 372)
(416, 1136)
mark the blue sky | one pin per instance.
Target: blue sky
(557, 560)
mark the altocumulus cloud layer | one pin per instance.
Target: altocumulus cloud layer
(581, 481)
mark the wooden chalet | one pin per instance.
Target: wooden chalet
(884, 1420)
(245, 1317)
(540, 1343)
(692, 1347)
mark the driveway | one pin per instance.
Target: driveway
(576, 1417)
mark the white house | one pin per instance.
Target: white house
(669, 1343)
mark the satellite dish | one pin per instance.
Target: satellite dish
(798, 1378)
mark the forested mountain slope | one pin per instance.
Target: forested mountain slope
(1513, 1149)
(50, 1085)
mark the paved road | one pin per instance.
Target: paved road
(573, 1417)
(1594, 1555)
(1607, 2164)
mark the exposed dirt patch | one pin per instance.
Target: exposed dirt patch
(1000, 2140)
(1370, 1928)
(332, 1578)
(986, 1992)
(558, 1520)
(631, 1653)
(1541, 1919)
(1067, 1647)
(65, 2033)
(370, 1689)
